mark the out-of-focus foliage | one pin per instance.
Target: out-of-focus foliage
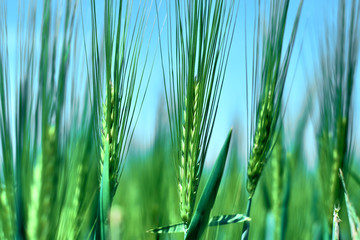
(147, 196)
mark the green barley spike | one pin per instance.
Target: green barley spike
(188, 154)
(193, 146)
(202, 36)
(108, 133)
(261, 144)
(113, 161)
(270, 68)
(182, 171)
(268, 85)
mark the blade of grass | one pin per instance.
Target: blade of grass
(228, 219)
(353, 218)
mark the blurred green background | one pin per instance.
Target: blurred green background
(147, 194)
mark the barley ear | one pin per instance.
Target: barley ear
(202, 36)
(267, 98)
(267, 82)
(189, 152)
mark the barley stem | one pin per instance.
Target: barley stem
(246, 227)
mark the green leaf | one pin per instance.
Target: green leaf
(214, 221)
(176, 228)
(228, 219)
(207, 199)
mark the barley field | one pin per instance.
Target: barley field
(179, 119)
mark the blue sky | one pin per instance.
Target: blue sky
(232, 111)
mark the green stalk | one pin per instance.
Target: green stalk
(246, 227)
